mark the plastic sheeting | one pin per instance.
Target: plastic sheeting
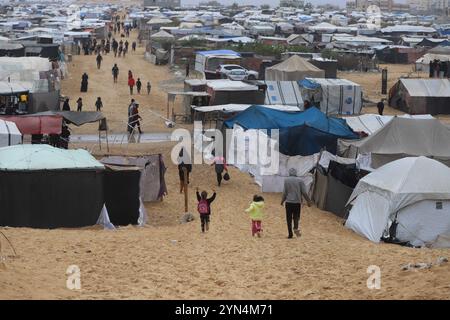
(9, 134)
(336, 96)
(28, 157)
(283, 93)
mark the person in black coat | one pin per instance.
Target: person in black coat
(66, 106)
(84, 82)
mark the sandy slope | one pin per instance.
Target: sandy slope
(328, 262)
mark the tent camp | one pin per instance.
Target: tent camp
(407, 200)
(420, 96)
(302, 136)
(46, 187)
(293, 69)
(333, 96)
(9, 134)
(399, 138)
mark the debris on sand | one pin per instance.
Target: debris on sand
(423, 265)
(187, 217)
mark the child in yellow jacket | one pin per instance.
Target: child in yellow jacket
(256, 214)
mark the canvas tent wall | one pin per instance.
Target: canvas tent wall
(402, 137)
(152, 182)
(293, 69)
(334, 96)
(46, 187)
(9, 134)
(421, 96)
(334, 181)
(413, 192)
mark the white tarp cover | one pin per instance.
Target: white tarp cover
(393, 187)
(44, 157)
(229, 85)
(23, 68)
(293, 69)
(369, 123)
(284, 93)
(403, 136)
(243, 107)
(338, 96)
(9, 134)
(427, 87)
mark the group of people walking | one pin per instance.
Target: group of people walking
(138, 84)
(439, 69)
(98, 104)
(294, 192)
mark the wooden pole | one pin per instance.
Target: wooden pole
(185, 173)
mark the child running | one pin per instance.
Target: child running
(256, 214)
(204, 208)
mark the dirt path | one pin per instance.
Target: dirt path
(116, 97)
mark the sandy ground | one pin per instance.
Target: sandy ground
(328, 262)
(168, 260)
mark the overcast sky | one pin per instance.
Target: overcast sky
(273, 3)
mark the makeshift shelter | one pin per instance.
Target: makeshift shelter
(46, 187)
(420, 96)
(334, 181)
(31, 124)
(293, 69)
(333, 96)
(121, 187)
(9, 134)
(399, 138)
(8, 49)
(283, 93)
(209, 61)
(227, 91)
(152, 170)
(162, 36)
(405, 201)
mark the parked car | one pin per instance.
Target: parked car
(235, 72)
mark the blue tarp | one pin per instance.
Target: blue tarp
(308, 84)
(301, 133)
(219, 52)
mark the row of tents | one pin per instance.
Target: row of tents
(338, 167)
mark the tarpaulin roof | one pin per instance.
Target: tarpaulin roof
(37, 124)
(44, 157)
(427, 87)
(257, 117)
(76, 118)
(219, 53)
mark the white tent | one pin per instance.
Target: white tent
(9, 134)
(412, 192)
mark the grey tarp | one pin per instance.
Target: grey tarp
(76, 118)
(402, 137)
(421, 96)
(293, 69)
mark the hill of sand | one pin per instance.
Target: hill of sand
(168, 260)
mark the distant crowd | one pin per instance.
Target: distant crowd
(439, 69)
